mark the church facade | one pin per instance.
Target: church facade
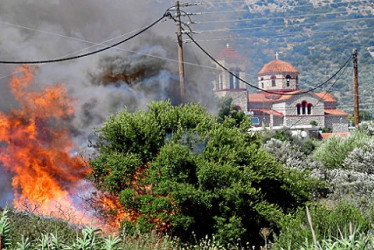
(279, 102)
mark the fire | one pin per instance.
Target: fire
(112, 211)
(36, 148)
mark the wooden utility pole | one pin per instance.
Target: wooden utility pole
(355, 88)
(180, 52)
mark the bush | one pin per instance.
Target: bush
(361, 159)
(194, 174)
(328, 222)
(333, 151)
(366, 127)
(354, 183)
(356, 240)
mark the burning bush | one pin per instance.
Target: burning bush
(37, 150)
(177, 170)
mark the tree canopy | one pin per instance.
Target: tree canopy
(178, 170)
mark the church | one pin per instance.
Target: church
(279, 102)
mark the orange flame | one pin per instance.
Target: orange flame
(36, 146)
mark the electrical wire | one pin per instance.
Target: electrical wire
(241, 1)
(283, 26)
(258, 88)
(279, 7)
(327, 92)
(89, 53)
(282, 35)
(270, 18)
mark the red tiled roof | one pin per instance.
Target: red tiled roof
(326, 96)
(277, 66)
(267, 97)
(266, 111)
(335, 112)
(229, 53)
(327, 135)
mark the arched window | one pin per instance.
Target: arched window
(310, 108)
(219, 83)
(231, 80)
(288, 78)
(262, 82)
(303, 107)
(298, 108)
(273, 80)
(237, 78)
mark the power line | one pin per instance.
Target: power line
(253, 86)
(102, 44)
(269, 18)
(327, 92)
(281, 26)
(323, 4)
(282, 35)
(89, 53)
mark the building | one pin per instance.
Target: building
(279, 103)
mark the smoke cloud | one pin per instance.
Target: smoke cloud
(131, 75)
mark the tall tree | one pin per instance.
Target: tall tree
(178, 170)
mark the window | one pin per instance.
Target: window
(310, 108)
(219, 84)
(231, 81)
(288, 77)
(237, 79)
(303, 107)
(262, 82)
(273, 80)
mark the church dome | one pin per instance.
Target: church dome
(277, 66)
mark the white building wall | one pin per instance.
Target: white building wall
(265, 81)
(232, 65)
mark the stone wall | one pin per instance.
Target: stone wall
(336, 123)
(260, 105)
(317, 109)
(304, 120)
(239, 97)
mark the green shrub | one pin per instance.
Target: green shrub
(333, 151)
(355, 241)
(328, 222)
(5, 229)
(201, 175)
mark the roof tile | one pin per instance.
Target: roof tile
(277, 66)
(327, 97)
(229, 53)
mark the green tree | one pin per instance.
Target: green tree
(181, 171)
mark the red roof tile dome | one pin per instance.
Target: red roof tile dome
(277, 66)
(229, 53)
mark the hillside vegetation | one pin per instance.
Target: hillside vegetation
(316, 36)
